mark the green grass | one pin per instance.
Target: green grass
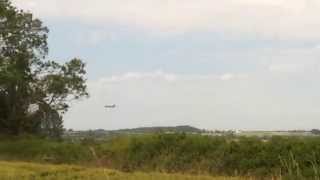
(43, 150)
(289, 157)
(32, 171)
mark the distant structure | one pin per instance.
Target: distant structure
(110, 106)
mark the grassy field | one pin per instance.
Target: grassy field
(288, 157)
(32, 171)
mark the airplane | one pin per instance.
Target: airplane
(110, 106)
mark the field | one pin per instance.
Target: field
(26, 171)
(161, 156)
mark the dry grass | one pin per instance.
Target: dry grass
(31, 171)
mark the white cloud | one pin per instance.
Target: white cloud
(93, 37)
(227, 76)
(141, 76)
(279, 19)
(294, 60)
(281, 92)
(169, 77)
(254, 101)
(287, 68)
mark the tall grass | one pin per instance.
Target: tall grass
(287, 157)
(293, 171)
(42, 150)
(228, 156)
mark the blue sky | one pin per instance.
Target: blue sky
(245, 64)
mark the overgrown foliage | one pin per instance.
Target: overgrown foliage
(27, 171)
(287, 157)
(292, 157)
(34, 92)
(42, 150)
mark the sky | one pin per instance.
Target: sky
(212, 64)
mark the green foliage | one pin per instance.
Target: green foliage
(216, 155)
(288, 157)
(315, 131)
(28, 80)
(43, 150)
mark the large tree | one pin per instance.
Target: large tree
(34, 92)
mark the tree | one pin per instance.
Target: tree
(34, 92)
(315, 131)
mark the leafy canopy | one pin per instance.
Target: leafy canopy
(34, 92)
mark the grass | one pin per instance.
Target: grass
(43, 150)
(293, 158)
(33, 171)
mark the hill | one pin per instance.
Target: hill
(142, 130)
(176, 129)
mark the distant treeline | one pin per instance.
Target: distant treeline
(103, 134)
(291, 157)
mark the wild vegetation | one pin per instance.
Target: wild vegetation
(230, 156)
(27, 171)
(36, 92)
(291, 157)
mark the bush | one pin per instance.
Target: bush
(43, 150)
(214, 155)
(292, 157)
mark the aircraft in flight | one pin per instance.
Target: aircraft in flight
(110, 106)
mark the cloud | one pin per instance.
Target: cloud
(289, 68)
(278, 89)
(303, 61)
(169, 77)
(93, 37)
(141, 76)
(277, 19)
(227, 101)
